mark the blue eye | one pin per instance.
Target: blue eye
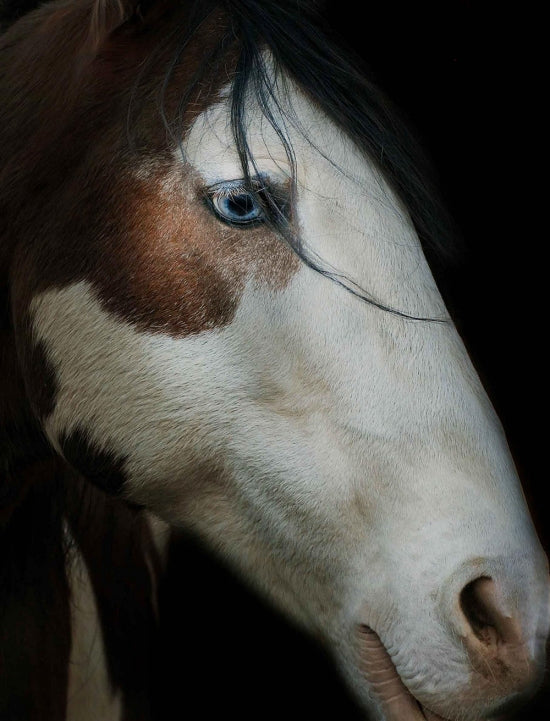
(236, 205)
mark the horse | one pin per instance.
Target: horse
(219, 319)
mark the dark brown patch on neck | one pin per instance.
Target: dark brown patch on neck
(35, 634)
(98, 466)
(35, 627)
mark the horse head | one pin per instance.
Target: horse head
(220, 309)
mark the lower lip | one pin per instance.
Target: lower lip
(396, 701)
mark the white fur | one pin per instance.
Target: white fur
(365, 475)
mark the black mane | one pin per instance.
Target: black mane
(12, 10)
(303, 48)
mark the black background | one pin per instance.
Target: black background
(464, 77)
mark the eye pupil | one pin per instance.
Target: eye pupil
(240, 205)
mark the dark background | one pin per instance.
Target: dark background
(464, 77)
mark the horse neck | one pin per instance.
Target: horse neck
(49, 516)
(66, 548)
(34, 595)
(116, 558)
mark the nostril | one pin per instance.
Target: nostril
(496, 642)
(484, 611)
(474, 610)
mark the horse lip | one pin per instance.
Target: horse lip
(430, 715)
(397, 702)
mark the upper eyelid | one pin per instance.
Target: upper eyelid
(238, 185)
(228, 187)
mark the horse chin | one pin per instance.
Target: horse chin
(394, 699)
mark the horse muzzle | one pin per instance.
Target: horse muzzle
(495, 662)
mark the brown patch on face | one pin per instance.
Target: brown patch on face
(117, 207)
(178, 269)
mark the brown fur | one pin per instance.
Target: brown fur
(127, 218)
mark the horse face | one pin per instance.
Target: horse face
(344, 459)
